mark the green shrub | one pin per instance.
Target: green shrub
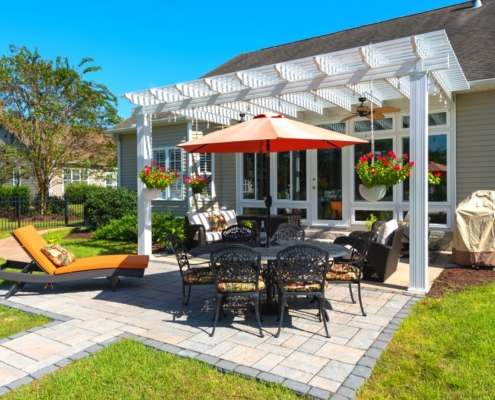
(105, 204)
(163, 223)
(77, 191)
(123, 229)
(126, 228)
(9, 191)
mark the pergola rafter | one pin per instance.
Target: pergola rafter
(316, 83)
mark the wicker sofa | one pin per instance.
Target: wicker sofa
(199, 230)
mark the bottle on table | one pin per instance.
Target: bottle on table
(262, 234)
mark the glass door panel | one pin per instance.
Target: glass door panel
(329, 184)
(291, 176)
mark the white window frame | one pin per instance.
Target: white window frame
(72, 172)
(16, 179)
(113, 179)
(171, 193)
(202, 170)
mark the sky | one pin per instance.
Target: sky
(145, 44)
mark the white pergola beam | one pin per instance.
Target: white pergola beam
(404, 68)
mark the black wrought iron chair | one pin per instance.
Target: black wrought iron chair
(349, 268)
(236, 270)
(238, 234)
(190, 275)
(301, 270)
(287, 232)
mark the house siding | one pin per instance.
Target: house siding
(128, 161)
(475, 143)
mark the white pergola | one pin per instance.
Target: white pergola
(408, 68)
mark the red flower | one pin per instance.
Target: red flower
(411, 164)
(438, 174)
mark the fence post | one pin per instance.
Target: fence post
(18, 211)
(66, 210)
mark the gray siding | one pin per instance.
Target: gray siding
(128, 161)
(475, 143)
(226, 180)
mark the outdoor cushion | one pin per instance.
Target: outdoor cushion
(200, 218)
(59, 256)
(213, 237)
(302, 286)
(113, 261)
(230, 217)
(386, 229)
(198, 275)
(238, 287)
(343, 272)
(217, 222)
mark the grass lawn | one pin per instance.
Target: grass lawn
(130, 370)
(443, 350)
(13, 321)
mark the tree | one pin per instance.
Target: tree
(55, 116)
(11, 162)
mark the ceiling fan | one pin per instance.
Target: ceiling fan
(365, 111)
(241, 116)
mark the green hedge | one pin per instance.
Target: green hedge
(76, 192)
(10, 191)
(105, 204)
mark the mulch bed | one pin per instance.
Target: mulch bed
(459, 278)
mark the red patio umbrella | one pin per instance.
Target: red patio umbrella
(269, 133)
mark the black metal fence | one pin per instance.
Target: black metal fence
(43, 213)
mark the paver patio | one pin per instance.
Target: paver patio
(88, 316)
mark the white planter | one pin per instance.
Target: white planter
(152, 194)
(374, 194)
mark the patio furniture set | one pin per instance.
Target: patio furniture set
(292, 265)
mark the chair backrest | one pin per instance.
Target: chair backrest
(302, 262)
(179, 250)
(238, 233)
(32, 242)
(287, 231)
(359, 249)
(236, 263)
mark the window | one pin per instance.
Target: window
(291, 175)
(76, 175)
(16, 179)
(434, 119)
(437, 164)
(111, 179)
(205, 169)
(337, 127)
(254, 176)
(171, 159)
(378, 125)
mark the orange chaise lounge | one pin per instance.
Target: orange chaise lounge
(110, 266)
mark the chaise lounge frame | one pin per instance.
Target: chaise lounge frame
(133, 267)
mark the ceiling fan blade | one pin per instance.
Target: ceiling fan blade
(362, 109)
(222, 126)
(349, 117)
(387, 109)
(376, 116)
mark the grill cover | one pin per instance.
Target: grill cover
(474, 230)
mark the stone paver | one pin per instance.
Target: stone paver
(88, 316)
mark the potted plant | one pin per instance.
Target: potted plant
(156, 179)
(379, 173)
(196, 182)
(433, 180)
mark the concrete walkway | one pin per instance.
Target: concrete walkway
(88, 316)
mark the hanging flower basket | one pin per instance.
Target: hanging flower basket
(155, 177)
(372, 194)
(196, 182)
(151, 194)
(385, 171)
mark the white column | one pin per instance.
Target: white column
(418, 250)
(144, 156)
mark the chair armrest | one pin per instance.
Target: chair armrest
(343, 240)
(190, 231)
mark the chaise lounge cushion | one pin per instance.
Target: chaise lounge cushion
(29, 237)
(59, 256)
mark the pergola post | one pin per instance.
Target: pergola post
(144, 156)
(418, 251)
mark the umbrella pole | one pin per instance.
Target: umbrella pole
(268, 201)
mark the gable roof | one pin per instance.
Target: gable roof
(470, 31)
